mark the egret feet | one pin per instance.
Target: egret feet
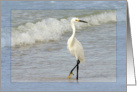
(70, 75)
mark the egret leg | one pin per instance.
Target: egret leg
(77, 68)
(71, 72)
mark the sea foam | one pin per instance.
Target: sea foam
(52, 28)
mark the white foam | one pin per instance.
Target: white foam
(52, 29)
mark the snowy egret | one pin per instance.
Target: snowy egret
(75, 47)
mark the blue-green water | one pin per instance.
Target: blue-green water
(39, 50)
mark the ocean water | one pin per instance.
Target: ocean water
(39, 44)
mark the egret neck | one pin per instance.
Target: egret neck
(74, 30)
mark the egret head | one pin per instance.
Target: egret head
(77, 20)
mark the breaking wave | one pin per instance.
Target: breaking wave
(52, 28)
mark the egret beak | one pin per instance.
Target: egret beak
(83, 21)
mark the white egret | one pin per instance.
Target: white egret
(75, 47)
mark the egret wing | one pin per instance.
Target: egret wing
(79, 52)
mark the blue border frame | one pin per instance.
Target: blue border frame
(7, 85)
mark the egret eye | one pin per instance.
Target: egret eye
(76, 20)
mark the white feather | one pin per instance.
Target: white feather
(74, 46)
